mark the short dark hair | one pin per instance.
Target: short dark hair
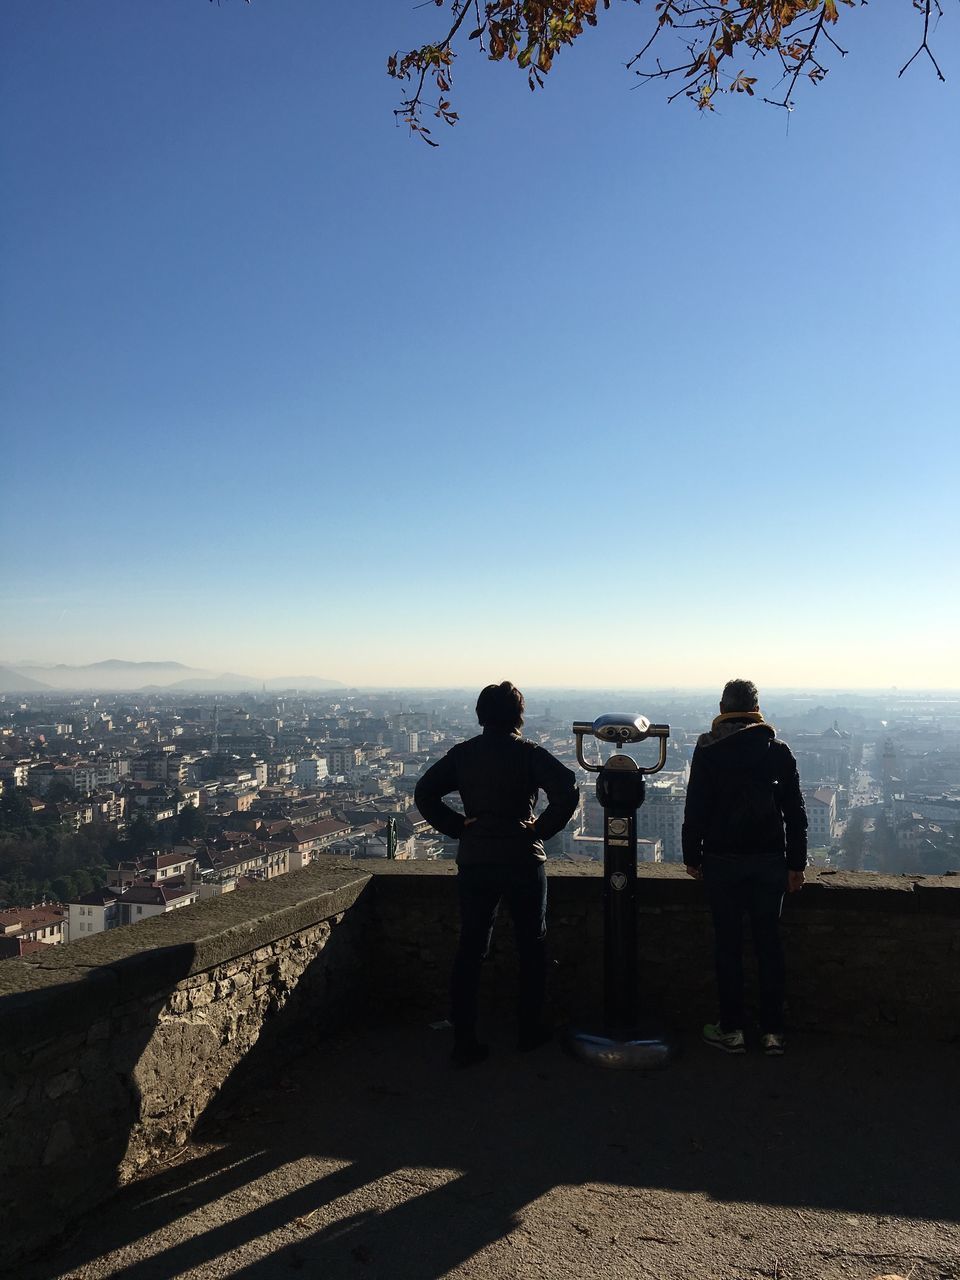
(500, 706)
(739, 695)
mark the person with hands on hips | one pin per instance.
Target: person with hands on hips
(499, 776)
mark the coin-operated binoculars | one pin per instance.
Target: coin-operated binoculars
(621, 1040)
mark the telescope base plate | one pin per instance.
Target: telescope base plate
(643, 1047)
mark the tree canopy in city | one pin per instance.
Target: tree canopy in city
(714, 46)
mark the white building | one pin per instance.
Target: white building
(343, 759)
(821, 807)
(92, 775)
(661, 817)
(16, 772)
(93, 913)
(155, 868)
(311, 772)
(143, 900)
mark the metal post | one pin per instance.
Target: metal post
(620, 790)
(623, 1039)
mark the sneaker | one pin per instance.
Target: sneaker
(773, 1044)
(467, 1053)
(728, 1041)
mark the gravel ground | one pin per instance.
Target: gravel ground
(372, 1159)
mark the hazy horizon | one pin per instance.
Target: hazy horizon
(534, 686)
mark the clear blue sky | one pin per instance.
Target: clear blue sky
(287, 392)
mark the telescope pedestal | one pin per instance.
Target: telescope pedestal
(623, 1039)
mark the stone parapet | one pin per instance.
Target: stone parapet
(111, 1048)
(866, 955)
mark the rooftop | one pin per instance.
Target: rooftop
(371, 1158)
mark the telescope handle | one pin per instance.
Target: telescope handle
(662, 731)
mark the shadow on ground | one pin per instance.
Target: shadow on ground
(370, 1157)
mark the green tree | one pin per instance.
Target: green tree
(714, 42)
(191, 824)
(61, 793)
(85, 881)
(65, 888)
(16, 811)
(141, 836)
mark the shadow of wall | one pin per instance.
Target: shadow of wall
(113, 1048)
(373, 1155)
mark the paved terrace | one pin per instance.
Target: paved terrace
(370, 1158)
(252, 1088)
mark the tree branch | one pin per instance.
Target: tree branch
(924, 46)
(715, 34)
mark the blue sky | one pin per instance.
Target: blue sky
(286, 391)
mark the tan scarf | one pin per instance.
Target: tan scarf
(753, 716)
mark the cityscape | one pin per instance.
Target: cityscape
(120, 806)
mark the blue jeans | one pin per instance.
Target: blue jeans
(751, 886)
(523, 886)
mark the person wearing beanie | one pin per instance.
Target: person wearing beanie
(745, 836)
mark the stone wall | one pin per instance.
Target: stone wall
(867, 955)
(111, 1048)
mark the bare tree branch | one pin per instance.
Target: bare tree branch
(924, 46)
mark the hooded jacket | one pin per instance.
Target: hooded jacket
(499, 776)
(744, 797)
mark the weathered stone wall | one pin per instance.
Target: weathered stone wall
(866, 955)
(111, 1048)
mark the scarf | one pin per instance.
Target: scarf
(753, 716)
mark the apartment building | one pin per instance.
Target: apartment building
(92, 913)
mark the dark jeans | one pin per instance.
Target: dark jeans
(753, 886)
(523, 886)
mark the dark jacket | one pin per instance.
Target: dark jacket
(499, 776)
(744, 797)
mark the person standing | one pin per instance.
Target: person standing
(745, 835)
(501, 857)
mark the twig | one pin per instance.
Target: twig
(928, 5)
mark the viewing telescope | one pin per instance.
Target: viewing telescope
(621, 1040)
(621, 729)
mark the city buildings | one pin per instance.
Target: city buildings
(174, 797)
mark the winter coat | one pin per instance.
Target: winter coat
(744, 797)
(499, 776)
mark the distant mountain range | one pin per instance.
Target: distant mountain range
(117, 676)
(13, 682)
